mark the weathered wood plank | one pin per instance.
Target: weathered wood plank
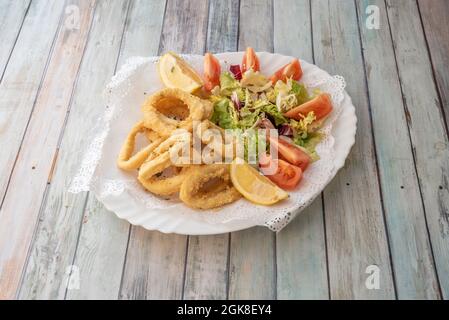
(434, 14)
(104, 238)
(22, 79)
(409, 241)
(207, 269)
(426, 125)
(155, 262)
(252, 272)
(62, 213)
(18, 92)
(301, 247)
(356, 236)
(223, 26)
(207, 257)
(12, 15)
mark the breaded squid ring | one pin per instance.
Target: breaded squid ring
(126, 160)
(170, 109)
(196, 194)
(223, 149)
(161, 159)
(165, 186)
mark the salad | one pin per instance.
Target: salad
(244, 98)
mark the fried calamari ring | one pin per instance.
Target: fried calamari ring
(170, 109)
(208, 186)
(161, 157)
(219, 146)
(165, 186)
(126, 160)
(152, 170)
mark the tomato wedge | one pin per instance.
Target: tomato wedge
(291, 153)
(320, 105)
(285, 175)
(212, 72)
(250, 60)
(290, 70)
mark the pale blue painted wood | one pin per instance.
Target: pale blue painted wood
(301, 247)
(62, 212)
(427, 128)
(12, 15)
(355, 230)
(408, 238)
(19, 89)
(103, 241)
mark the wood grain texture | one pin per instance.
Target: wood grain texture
(185, 26)
(223, 26)
(301, 247)
(435, 18)
(426, 125)
(252, 273)
(18, 92)
(62, 213)
(155, 262)
(22, 79)
(12, 15)
(409, 241)
(35, 159)
(104, 238)
(355, 229)
(207, 257)
(206, 267)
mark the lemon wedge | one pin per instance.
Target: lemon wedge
(176, 73)
(254, 186)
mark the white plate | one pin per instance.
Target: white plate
(180, 219)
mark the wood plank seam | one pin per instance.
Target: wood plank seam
(404, 103)
(15, 41)
(323, 211)
(131, 226)
(55, 157)
(44, 72)
(358, 14)
(88, 194)
(443, 112)
(184, 273)
(77, 243)
(325, 234)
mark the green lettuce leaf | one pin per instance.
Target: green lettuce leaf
(300, 91)
(225, 114)
(273, 111)
(228, 84)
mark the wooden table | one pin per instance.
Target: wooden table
(384, 217)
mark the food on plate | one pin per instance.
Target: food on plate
(212, 72)
(321, 106)
(253, 185)
(208, 186)
(284, 174)
(291, 70)
(126, 160)
(227, 134)
(250, 61)
(166, 182)
(219, 146)
(176, 73)
(171, 109)
(290, 152)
